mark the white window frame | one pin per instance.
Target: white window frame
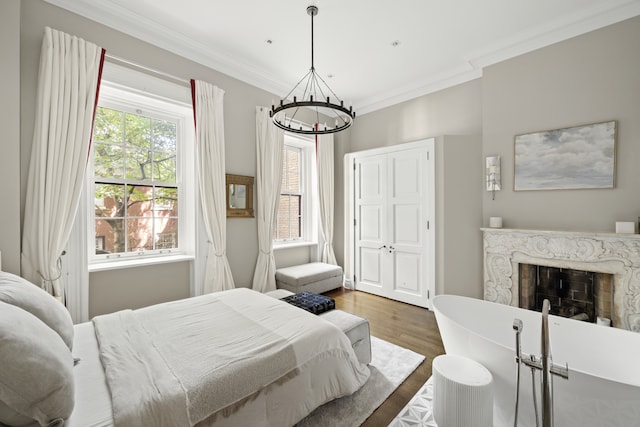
(148, 102)
(309, 190)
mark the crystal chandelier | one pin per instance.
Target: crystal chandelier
(317, 96)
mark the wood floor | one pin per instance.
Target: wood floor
(405, 325)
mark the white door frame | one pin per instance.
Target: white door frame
(349, 217)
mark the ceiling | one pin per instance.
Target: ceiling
(371, 53)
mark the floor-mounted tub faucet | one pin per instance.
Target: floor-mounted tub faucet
(544, 364)
(547, 415)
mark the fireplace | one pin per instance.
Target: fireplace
(614, 260)
(578, 294)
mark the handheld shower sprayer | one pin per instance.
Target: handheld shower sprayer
(517, 326)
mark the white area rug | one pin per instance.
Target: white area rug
(390, 366)
(419, 410)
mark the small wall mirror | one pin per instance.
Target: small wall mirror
(239, 196)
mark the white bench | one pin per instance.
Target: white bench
(316, 277)
(354, 327)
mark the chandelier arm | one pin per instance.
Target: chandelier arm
(328, 87)
(293, 116)
(297, 84)
(308, 86)
(319, 88)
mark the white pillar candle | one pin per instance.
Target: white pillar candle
(495, 222)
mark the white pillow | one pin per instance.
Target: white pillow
(20, 292)
(36, 375)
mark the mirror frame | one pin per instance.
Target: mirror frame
(247, 212)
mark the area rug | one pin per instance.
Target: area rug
(419, 410)
(390, 366)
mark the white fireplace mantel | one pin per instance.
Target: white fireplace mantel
(616, 254)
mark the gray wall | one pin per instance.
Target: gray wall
(591, 78)
(136, 287)
(458, 216)
(9, 146)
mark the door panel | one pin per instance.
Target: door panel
(407, 225)
(371, 223)
(371, 262)
(408, 274)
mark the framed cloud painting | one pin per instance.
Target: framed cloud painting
(571, 158)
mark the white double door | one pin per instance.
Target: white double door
(393, 237)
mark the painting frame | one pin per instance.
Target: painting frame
(572, 158)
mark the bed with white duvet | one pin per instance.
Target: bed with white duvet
(230, 358)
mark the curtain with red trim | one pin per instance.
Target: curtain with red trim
(68, 85)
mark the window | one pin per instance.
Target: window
(139, 203)
(295, 222)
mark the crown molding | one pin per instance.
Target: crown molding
(118, 18)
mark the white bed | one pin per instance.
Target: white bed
(325, 368)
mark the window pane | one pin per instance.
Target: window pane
(109, 200)
(166, 233)
(138, 164)
(289, 223)
(138, 131)
(108, 161)
(166, 203)
(164, 167)
(283, 217)
(164, 136)
(139, 234)
(108, 126)
(295, 230)
(139, 201)
(110, 236)
(291, 170)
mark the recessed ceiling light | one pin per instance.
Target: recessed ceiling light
(395, 43)
(269, 41)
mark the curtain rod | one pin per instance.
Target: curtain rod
(161, 74)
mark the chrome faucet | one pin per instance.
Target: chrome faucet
(544, 364)
(547, 420)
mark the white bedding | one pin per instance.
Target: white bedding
(321, 376)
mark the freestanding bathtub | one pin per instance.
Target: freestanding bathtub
(603, 388)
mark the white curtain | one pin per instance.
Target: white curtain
(68, 82)
(269, 146)
(325, 194)
(208, 111)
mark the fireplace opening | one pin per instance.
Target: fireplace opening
(578, 294)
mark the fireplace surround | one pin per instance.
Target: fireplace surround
(615, 254)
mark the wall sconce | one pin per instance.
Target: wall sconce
(492, 175)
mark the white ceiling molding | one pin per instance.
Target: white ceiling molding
(367, 96)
